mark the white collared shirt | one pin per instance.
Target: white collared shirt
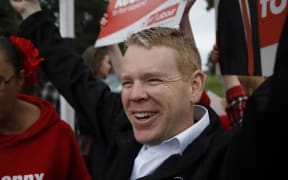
(151, 157)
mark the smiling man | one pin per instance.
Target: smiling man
(156, 89)
(157, 131)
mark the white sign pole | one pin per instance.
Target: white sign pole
(66, 25)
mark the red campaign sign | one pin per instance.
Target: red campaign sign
(126, 16)
(271, 17)
(123, 14)
(268, 17)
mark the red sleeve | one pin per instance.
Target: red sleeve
(236, 103)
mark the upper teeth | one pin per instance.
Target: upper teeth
(144, 114)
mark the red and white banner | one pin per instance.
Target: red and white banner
(271, 18)
(129, 16)
(248, 32)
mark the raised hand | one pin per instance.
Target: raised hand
(26, 7)
(185, 25)
(104, 20)
(188, 6)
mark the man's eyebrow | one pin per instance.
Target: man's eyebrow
(147, 74)
(154, 74)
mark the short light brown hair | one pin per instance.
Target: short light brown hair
(188, 55)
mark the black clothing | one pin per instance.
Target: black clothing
(210, 156)
(232, 45)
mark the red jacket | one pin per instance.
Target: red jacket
(47, 150)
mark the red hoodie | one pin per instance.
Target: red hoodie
(46, 150)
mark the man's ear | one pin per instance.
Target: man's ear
(197, 85)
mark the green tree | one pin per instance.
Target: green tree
(9, 20)
(87, 16)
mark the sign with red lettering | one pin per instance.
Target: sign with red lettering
(271, 18)
(248, 32)
(128, 16)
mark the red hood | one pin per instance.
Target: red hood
(48, 117)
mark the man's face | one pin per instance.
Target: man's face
(155, 97)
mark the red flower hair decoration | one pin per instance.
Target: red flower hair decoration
(31, 58)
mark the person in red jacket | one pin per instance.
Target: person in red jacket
(34, 142)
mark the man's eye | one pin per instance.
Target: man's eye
(126, 84)
(154, 81)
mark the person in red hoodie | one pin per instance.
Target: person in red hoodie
(34, 142)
